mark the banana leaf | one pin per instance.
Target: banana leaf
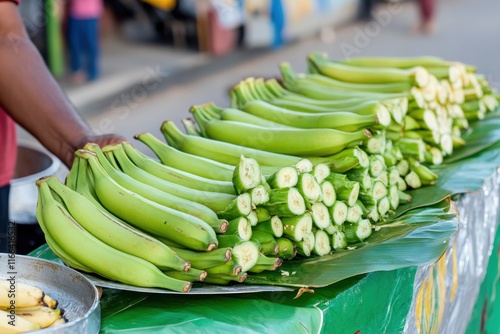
(416, 238)
(461, 177)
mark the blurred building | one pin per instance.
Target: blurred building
(217, 27)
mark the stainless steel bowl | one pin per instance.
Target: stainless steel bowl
(76, 295)
(32, 164)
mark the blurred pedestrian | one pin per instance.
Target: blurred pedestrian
(83, 39)
(365, 9)
(427, 23)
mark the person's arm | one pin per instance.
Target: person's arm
(31, 96)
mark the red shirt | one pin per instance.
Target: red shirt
(8, 146)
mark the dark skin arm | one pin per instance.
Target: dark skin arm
(31, 96)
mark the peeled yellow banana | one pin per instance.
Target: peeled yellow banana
(25, 308)
(13, 323)
(43, 317)
(49, 301)
(19, 294)
(60, 321)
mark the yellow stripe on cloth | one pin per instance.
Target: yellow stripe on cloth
(161, 4)
(455, 271)
(428, 303)
(418, 308)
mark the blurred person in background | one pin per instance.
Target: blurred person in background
(427, 23)
(365, 9)
(83, 39)
(30, 96)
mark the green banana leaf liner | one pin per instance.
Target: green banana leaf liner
(482, 135)
(418, 233)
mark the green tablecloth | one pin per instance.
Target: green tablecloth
(486, 315)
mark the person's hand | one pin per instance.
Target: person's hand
(101, 140)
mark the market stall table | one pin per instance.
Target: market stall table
(431, 298)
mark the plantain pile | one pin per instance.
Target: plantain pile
(118, 216)
(298, 166)
(26, 309)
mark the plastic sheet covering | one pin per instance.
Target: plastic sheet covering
(133, 312)
(445, 292)
(373, 303)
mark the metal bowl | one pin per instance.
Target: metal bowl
(76, 295)
(32, 163)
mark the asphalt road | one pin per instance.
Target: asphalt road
(467, 30)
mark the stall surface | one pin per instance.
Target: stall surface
(427, 299)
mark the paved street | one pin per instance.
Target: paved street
(468, 31)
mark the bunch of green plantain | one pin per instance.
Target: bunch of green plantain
(433, 115)
(369, 129)
(301, 208)
(406, 114)
(29, 310)
(316, 159)
(128, 218)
